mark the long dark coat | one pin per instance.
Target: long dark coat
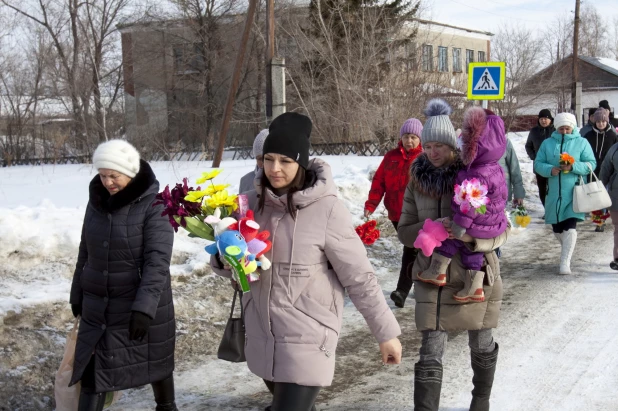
(123, 266)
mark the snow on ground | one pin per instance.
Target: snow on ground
(42, 207)
(557, 334)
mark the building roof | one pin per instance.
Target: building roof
(609, 65)
(435, 23)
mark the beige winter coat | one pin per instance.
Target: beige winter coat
(429, 195)
(293, 314)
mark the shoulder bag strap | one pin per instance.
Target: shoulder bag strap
(242, 310)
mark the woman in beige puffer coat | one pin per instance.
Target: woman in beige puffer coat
(428, 196)
(293, 314)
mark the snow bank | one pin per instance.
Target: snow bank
(41, 212)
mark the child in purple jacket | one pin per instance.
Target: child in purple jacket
(482, 144)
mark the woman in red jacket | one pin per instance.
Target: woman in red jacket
(390, 181)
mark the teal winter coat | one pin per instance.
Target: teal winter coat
(559, 201)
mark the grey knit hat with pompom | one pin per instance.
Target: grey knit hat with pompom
(438, 127)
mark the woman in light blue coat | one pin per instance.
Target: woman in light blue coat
(562, 179)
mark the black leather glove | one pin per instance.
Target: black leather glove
(138, 325)
(77, 310)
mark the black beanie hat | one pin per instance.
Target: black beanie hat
(288, 135)
(545, 113)
(604, 104)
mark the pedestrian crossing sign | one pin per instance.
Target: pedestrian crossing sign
(486, 80)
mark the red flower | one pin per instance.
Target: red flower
(368, 232)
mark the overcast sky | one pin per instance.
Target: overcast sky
(490, 15)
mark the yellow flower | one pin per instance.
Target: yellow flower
(222, 199)
(206, 176)
(215, 188)
(195, 196)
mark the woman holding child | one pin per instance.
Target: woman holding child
(429, 196)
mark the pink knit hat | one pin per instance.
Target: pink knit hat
(411, 126)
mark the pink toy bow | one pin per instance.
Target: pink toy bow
(430, 236)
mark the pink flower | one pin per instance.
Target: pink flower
(460, 194)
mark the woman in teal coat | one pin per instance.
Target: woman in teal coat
(562, 179)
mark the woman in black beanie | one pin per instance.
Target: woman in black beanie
(294, 313)
(536, 137)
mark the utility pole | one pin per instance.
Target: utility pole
(575, 59)
(270, 53)
(229, 106)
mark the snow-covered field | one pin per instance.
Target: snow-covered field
(557, 334)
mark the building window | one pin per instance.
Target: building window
(189, 58)
(428, 57)
(442, 59)
(411, 58)
(482, 56)
(457, 60)
(469, 57)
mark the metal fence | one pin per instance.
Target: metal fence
(231, 153)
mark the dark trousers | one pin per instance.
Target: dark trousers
(541, 183)
(471, 260)
(568, 224)
(292, 397)
(407, 261)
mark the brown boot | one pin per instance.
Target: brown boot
(436, 273)
(473, 288)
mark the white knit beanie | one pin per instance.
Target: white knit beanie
(117, 155)
(258, 143)
(565, 119)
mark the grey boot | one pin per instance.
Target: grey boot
(484, 367)
(427, 385)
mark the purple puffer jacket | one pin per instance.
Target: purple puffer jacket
(483, 142)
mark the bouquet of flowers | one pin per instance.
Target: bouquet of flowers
(209, 214)
(565, 160)
(471, 195)
(599, 217)
(368, 232)
(521, 217)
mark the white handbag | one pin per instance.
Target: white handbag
(590, 197)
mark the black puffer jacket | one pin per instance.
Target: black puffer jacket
(601, 141)
(123, 266)
(536, 137)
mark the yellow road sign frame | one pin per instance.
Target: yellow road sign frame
(500, 95)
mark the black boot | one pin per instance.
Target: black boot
(427, 385)
(399, 298)
(164, 394)
(484, 367)
(90, 401)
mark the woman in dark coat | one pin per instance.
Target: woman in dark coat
(121, 286)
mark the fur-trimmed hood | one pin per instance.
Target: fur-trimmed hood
(143, 183)
(432, 181)
(483, 138)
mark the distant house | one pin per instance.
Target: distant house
(164, 69)
(551, 87)
(447, 50)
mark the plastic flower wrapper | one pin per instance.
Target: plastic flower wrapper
(521, 217)
(566, 159)
(471, 195)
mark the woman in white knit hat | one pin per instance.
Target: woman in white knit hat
(121, 285)
(562, 179)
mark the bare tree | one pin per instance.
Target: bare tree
(83, 36)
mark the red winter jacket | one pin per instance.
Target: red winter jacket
(391, 179)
